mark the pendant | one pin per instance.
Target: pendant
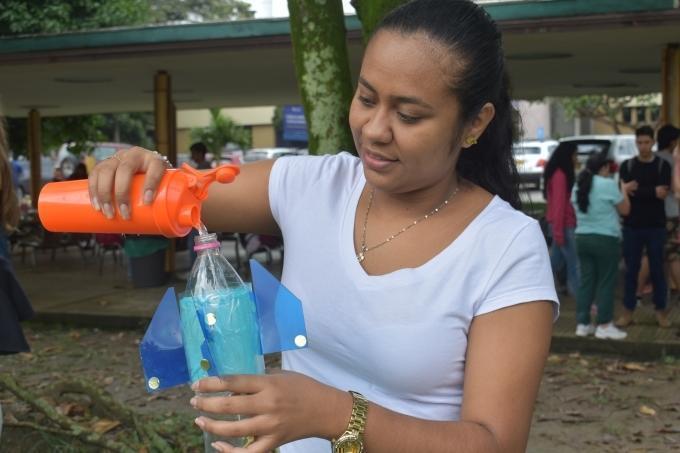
(361, 256)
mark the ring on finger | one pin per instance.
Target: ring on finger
(115, 156)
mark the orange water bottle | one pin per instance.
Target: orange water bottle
(65, 206)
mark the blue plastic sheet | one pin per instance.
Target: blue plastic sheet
(187, 340)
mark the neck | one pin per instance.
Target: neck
(414, 202)
(646, 159)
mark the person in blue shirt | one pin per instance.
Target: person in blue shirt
(598, 202)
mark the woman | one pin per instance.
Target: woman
(410, 261)
(598, 203)
(9, 204)
(559, 180)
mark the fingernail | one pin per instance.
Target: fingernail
(108, 211)
(95, 204)
(194, 386)
(124, 211)
(148, 196)
(216, 446)
(199, 421)
(192, 401)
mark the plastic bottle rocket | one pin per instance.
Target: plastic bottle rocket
(218, 310)
(65, 206)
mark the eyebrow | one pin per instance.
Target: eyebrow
(399, 99)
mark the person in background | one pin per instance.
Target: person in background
(666, 141)
(645, 226)
(559, 177)
(14, 305)
(80, 172)
(198, 152)
(427, 294)
(598, 202)
(9, 204)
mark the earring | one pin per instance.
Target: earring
(471, 140)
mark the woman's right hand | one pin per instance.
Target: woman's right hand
(111, 179)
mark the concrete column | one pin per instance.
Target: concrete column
(35, 154)
(670, 83)
(163, 112)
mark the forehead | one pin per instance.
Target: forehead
(409, 64)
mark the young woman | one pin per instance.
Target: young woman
(598, 202)
(425, 292)
(559, 180)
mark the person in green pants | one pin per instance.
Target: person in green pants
(598, 201)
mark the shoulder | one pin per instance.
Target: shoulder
(504, 224)
(319, 166)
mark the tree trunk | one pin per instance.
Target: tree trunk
(371, 12)
(322, 67)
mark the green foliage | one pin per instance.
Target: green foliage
(82, 131)
(603, 107)
(50, 16)
(134, 128)
(371, 12)
(199, 10)
(220, 131)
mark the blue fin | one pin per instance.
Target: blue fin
(162, 350)
(282, 322)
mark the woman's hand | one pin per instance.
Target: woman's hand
(629, 187)
(280, 407)
(111, 179)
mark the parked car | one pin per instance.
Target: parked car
(268, 153)
(530, 159)
(616, 147)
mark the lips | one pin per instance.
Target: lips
(377, 162)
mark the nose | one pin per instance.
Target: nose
(377, 129)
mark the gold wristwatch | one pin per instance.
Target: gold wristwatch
(352, 440)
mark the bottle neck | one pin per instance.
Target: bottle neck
(205, 243)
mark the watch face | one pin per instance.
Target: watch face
(348, 446)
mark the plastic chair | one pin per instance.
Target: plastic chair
(108, 242)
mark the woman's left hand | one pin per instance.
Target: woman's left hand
(280, 408)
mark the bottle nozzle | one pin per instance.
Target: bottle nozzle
(222, 174)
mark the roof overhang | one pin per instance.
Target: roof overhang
(554, 48)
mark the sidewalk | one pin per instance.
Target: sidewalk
(71, 290)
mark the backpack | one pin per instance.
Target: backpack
(631, 162)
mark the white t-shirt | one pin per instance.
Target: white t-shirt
(399, 339)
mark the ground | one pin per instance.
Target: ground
(587, 403)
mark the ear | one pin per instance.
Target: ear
(478, 125)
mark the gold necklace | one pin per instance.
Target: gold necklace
(361, 256)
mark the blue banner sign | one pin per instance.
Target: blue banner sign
(294, 124)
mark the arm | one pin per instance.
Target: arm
(242, 205)
(510, 344)
(676, 172)
(623, 207)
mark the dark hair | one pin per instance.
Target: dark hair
(665, 135)
(644, 130)
(467, 31)
(562, 158)
(199, 147)
(585, 179)
(79, 172)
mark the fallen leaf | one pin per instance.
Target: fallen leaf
(103, 303)
(74, 334)
(108, 380)
(632, 366)
(646, 410)
(71, 409)
(104, 426)
(26, 356)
